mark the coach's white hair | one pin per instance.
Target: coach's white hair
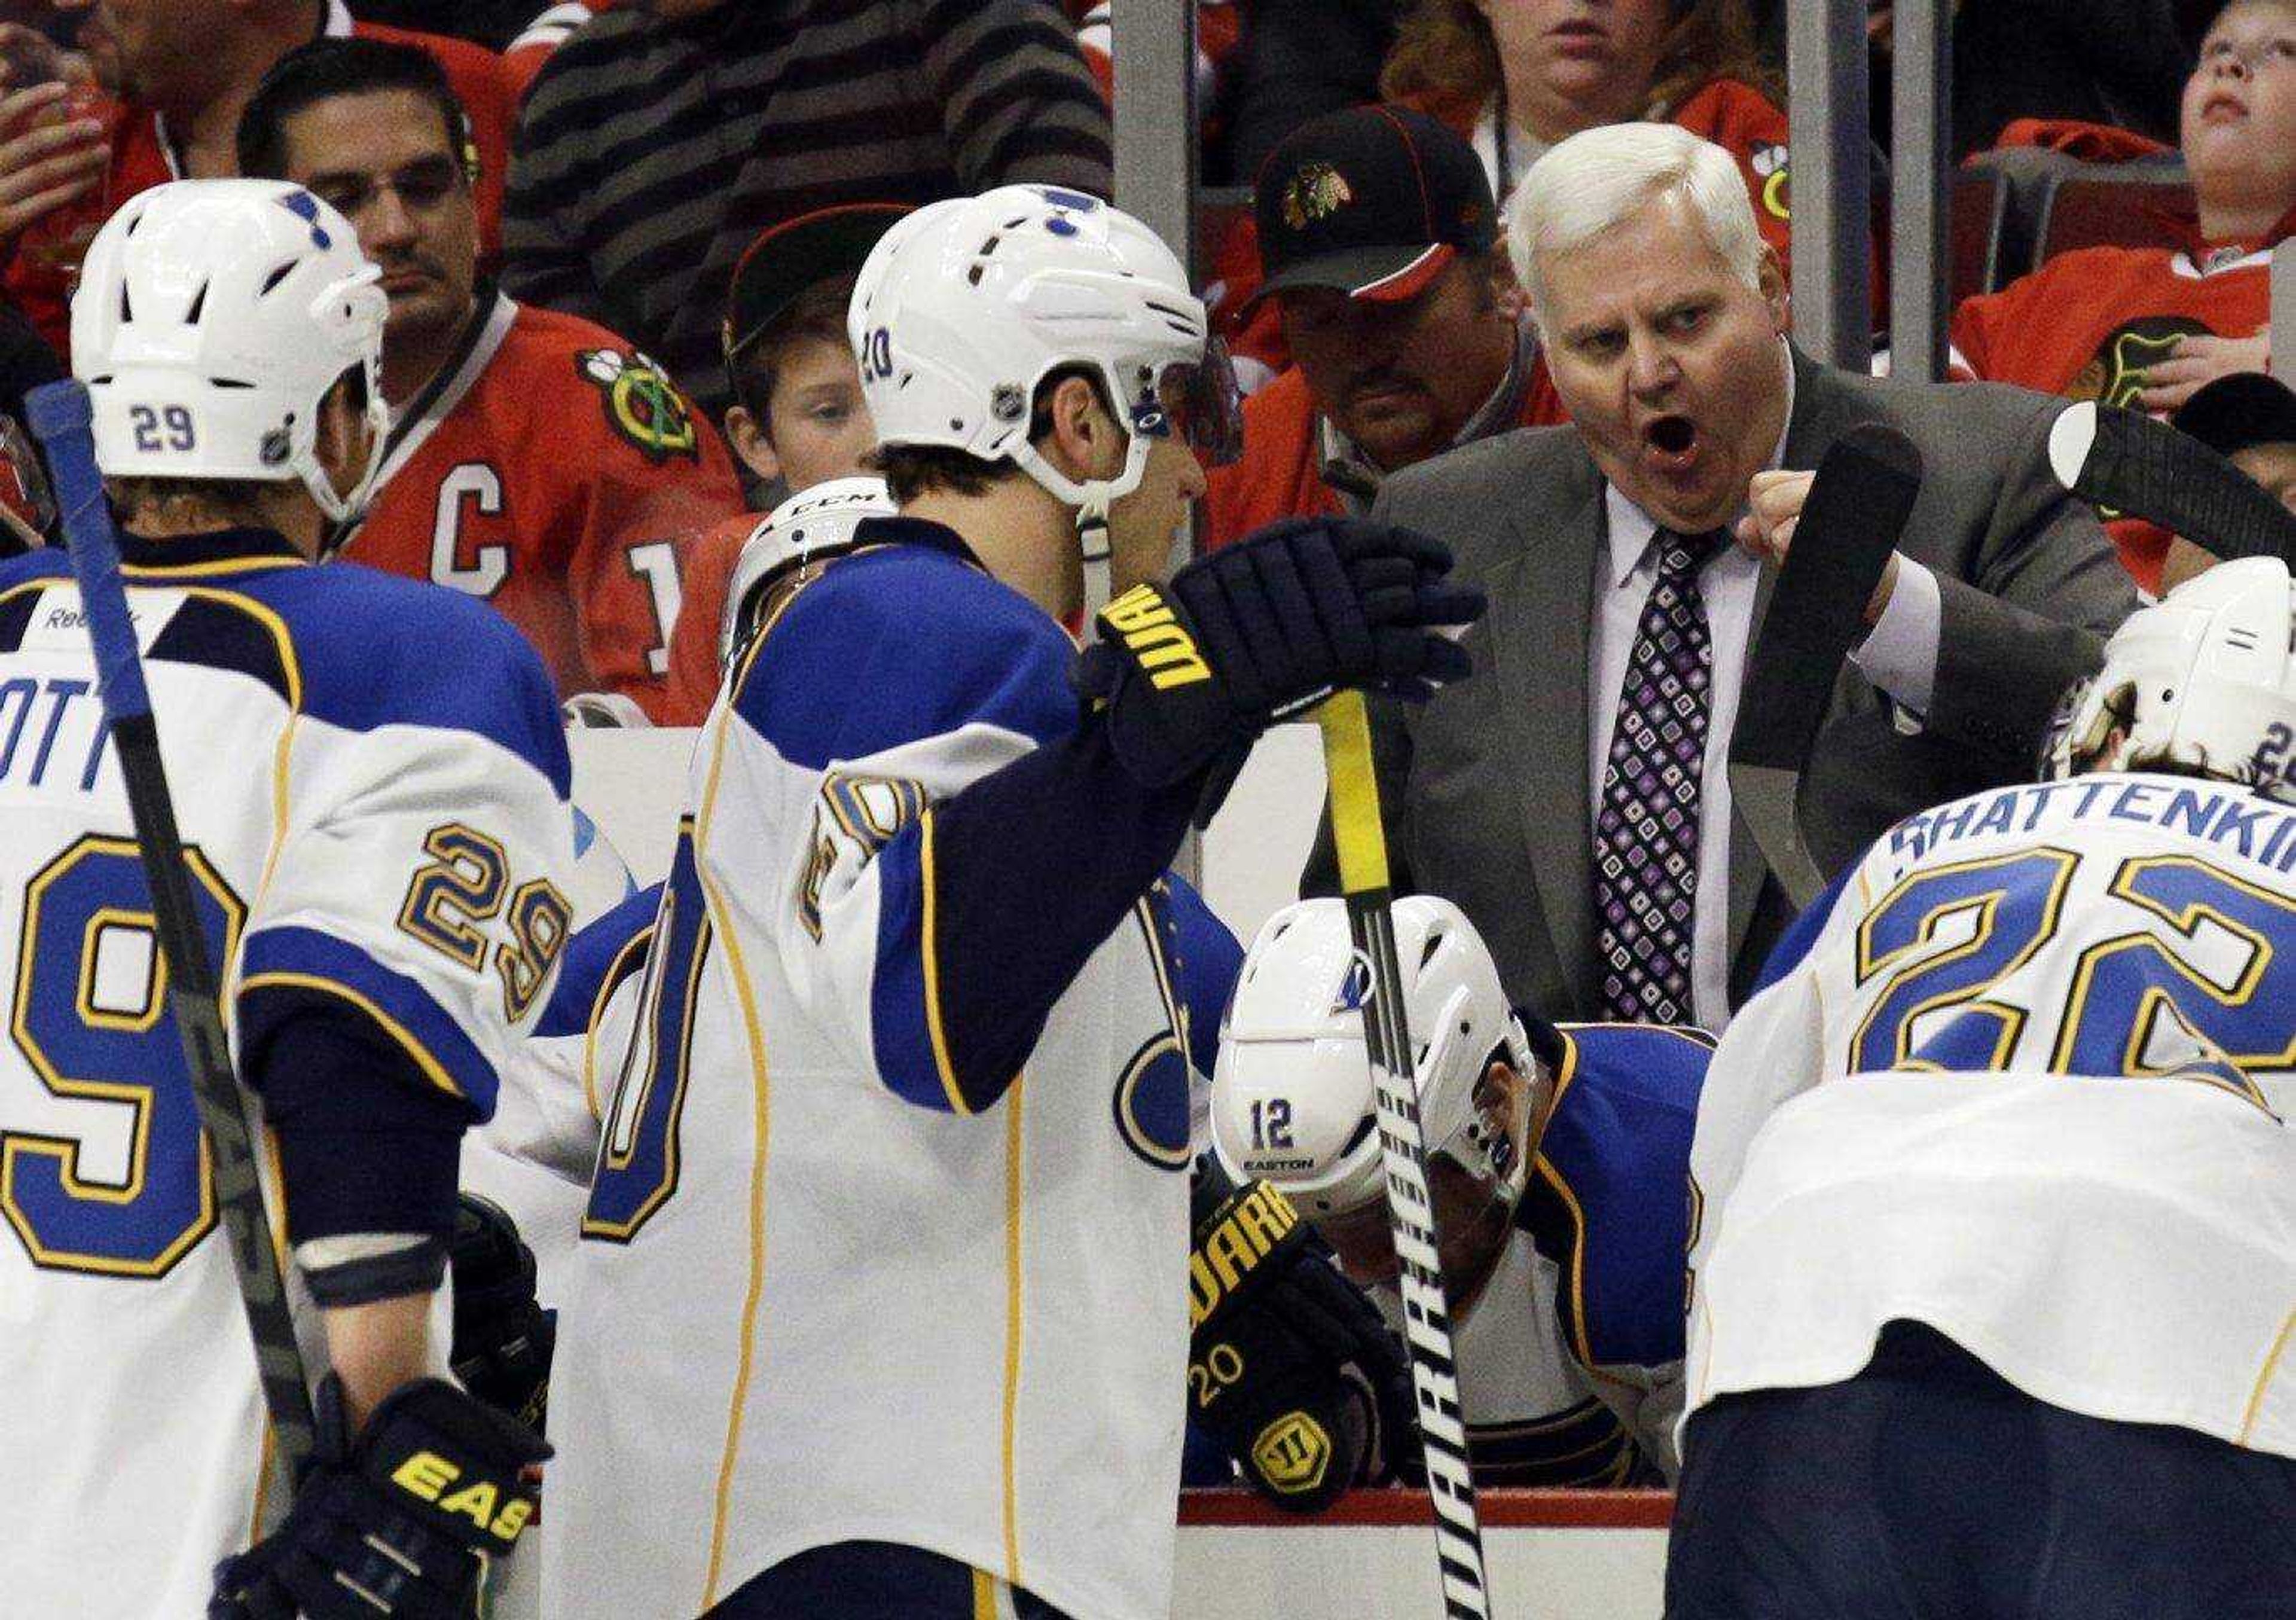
(1600, 178)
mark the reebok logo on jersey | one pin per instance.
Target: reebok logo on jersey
(1251, 1227)
(1145, 622)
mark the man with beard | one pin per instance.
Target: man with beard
(1381, 241)
(535, 461)
(1572, 799)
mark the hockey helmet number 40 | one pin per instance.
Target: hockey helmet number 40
(967, 305)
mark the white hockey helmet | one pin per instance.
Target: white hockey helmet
(2205, 679)
(212, 317)
(1291, 1091)
(965, 306)
(810, 526)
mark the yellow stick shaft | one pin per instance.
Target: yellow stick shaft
(1356, 830)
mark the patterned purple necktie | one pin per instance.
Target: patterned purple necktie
(1646, 828)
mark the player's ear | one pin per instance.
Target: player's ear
(1079, 437)
(752, 443)
(342, 428)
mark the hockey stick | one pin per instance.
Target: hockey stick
(61, 415)
(2125, 462)
(1857, 509)
(1362, 844)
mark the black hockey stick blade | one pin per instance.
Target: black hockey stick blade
(2127, 463)
(1857, 509)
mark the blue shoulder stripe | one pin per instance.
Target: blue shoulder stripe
(597, 958)
(304, 959)
(898, 643)
(1609, 1200)
(370, 649)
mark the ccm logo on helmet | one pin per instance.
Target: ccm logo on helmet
(1229, 1251)
(1165, 650)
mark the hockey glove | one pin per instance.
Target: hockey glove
(394, 1525)
(503, 1338)
(1288, 1363)
(1191, 671)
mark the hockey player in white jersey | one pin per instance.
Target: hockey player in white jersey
(883, 1310)
(1994, 1278)
(371, 783)
(1557, 1159)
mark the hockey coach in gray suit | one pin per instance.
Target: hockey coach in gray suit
(1572, 797)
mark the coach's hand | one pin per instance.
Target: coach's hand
(1251, 634)
(394, 1525)
(1289, 1365)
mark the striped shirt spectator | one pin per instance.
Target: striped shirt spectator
(652, 152)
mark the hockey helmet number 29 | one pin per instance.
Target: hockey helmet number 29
(211, 320)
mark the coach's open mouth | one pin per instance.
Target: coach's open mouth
(1672, 440)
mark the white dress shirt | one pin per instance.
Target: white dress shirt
(1899, 655)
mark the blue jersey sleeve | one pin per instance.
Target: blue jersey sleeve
(954, 793)
(1609, 1199)
(1210, 962)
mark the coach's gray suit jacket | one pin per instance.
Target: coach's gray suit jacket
(1486, 787)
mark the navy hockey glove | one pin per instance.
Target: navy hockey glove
(1288, 1363)
(503, 1338)
(395, 1524)
(1191, 670)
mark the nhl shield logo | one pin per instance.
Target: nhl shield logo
(1316, 191)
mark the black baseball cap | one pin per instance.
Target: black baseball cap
(1372, 201)
(788, 257)
(2234, 413)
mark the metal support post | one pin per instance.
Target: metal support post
(1920, 188)
(1833, 181)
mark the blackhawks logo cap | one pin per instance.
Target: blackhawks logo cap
(1372, 200)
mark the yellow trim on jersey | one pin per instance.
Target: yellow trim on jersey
(760, 1091)
(616, 972)
(1014, 1096)
(2264, 1379)
(984, 1595)
(161, 573)
(432, 1069)
(927, 953)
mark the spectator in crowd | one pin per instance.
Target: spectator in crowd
(492, 24)
(1299, 60)
(1517, 76)
(800, 420)
(2149, 327)
(184, 70)
(657, 142)
(2095, 63)
(545, 32)
(1381, 244)
(1571, 798)
(535, 460)
(2249, 419)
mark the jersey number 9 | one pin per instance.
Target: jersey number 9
(115, 1178)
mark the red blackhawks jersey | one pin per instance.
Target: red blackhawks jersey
(45, 268)
(554, 472)
(2090, 323)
